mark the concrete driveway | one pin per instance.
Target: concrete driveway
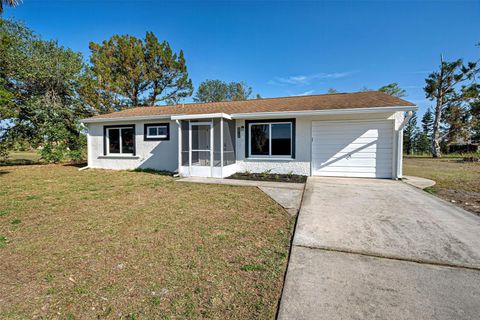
(381, 249)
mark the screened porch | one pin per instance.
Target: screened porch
(207, 146)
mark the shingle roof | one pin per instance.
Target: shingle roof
(368, 99)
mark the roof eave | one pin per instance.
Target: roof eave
(201, 116)
(323, 112)
(132, 118)
(278, 114)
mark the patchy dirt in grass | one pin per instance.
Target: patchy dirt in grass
(468, 200)
(456, 181)
(134, 245)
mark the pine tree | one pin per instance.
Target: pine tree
(410, 134)
(427, 122)
(441, 87)
(393, 89)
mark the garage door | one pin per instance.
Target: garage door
(352, 149)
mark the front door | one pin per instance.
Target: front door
(201, 153)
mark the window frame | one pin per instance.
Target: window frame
(270, 122)
(106, 139)
(146, 137)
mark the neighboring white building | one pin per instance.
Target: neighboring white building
(346, 134)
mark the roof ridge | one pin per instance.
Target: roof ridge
(270, 98)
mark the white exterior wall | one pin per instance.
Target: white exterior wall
(163, 155)
(303, 144)
(158, 155)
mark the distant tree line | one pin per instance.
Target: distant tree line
(455, 116)
(45, 88)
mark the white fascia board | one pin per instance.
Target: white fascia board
(322, 112)
(139, 118)
(201, 116)
(278, 114)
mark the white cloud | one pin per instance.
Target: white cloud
(307, 79)
(306, 93)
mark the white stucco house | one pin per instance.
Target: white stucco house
(346, 134)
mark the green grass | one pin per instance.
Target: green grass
(119, 244)
(21, 158)
(455, 180)
(446, 155)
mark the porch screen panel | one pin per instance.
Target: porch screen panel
(228, 142)
(217, 147)
(185, 146)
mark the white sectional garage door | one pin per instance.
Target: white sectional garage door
(352, 148)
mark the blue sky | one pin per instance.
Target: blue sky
(280, 48)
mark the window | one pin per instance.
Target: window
(157, 131)
(120, 140)
(271, 139)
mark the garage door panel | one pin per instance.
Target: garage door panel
(348, 129)
(359, 129)
(358, 170)
(344, 162)
(329, 140)
(352, 149)
(355, 174)
(357, 155)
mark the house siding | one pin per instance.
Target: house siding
(163, 155)
(303, 141)
(158, 155)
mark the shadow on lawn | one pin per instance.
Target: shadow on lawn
(75, 164)
(153, 171)
(19, 162)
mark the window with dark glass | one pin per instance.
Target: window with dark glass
(271, 139)
(157, 131)
(259, 139)
(121, 140)
(281, 139)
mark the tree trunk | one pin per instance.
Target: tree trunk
(436, 152)
(155, 92)
(135, 97)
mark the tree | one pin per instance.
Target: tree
(39, 97)
(441, 87)
(456, 119)
(422, 143)
(393, 89)
(366, 89)
(166, 71)
(211, 91)
(332, 91)
(473, 94)
(128, 72)
(427, 122)
(119, 66)
(218, 90)
(11, 3)
(410, 134)
(239, 91)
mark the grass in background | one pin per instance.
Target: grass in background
(455, 180)
(21, 158)
(135, 245)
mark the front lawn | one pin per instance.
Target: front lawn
(457, 181)
(136, 245)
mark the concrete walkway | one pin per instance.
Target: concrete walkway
(381, 249)
(418, 182)
(288, 195)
